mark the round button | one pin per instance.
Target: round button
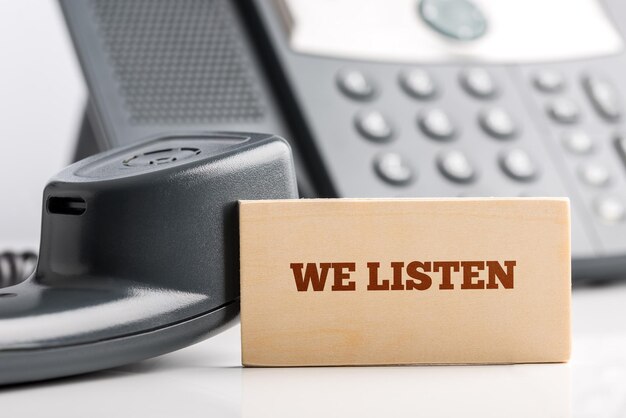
(594, 175)
(457, 19)
(549, 81)
(603, 97)
(436, 124)
(356, 85)
(610, 209)
(418, 83)
(393, 168)
(498, 123)
(373, 125)
(577, 142)
(160, 157)
(456, 167)
(564, 111)
(518, 165)
(478, 82)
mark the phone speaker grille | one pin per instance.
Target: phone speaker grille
(180, 61)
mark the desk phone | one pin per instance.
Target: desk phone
(408, 98)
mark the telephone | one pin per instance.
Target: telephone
(383, 99)
(139, 252)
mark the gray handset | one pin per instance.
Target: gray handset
(385, 99)
(139, 253)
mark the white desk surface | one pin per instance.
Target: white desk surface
(40, 108)
(207, 380)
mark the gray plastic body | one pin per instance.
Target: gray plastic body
(139, 253)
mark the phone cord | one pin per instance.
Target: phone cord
(16, 267)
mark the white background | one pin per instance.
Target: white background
(42, 95)
(41, 101)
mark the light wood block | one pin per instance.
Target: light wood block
(407, 281)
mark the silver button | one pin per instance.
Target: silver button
(517, 164)
(498, 123)
(549, 81)
(603, 97)
(393, 168)
(564, 111)
(478, 82)
(355, 84)
(594, 174)
(455, 166)
(418, 83)
(373, 125)
(457, 19)
(436, 124)
(577, 142)
(610, 209)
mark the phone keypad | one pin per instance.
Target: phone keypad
(596, 180)
(517, 164)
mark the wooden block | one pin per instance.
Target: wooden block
(404, 281)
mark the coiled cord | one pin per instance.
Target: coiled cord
(16, 267)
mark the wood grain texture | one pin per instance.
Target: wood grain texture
(478, 320)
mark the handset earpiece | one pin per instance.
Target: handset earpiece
(139, 253)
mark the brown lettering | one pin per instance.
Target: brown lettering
(397, 267)
(311, 275)
(423, 280)
(446, 268)
(469, 273)
(373, 283)
(341, 276)
(496, 271)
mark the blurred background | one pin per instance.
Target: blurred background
(42, 98)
